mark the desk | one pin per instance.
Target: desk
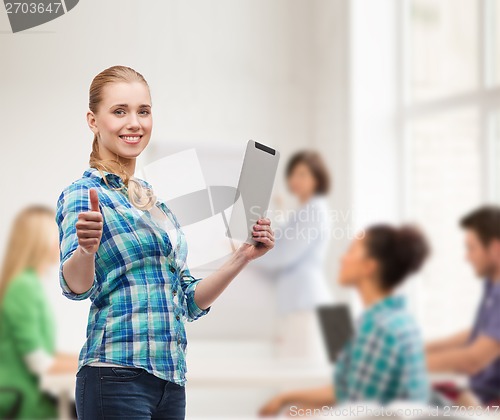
(229, 372)
(61, 386)
(460, 380)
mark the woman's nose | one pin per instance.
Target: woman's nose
(133, 122)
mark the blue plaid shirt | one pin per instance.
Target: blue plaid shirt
(142, 290)
(385, 359)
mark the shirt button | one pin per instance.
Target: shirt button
(177, 317)
(172, 269)
(174, 292)
(178, 341)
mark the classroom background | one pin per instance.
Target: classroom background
(402, 99)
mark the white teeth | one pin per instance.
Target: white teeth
(134, 138)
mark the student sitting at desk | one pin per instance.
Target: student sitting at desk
(27, 322)
(384, 361)
(476, 352)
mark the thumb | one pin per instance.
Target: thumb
(94, 200)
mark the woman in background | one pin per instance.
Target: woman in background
(297, 263)
(27, 328)
(384, 361)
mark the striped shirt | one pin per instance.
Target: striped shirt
(142, 290)
(385, 359)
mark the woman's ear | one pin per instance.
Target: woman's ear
(91, 121)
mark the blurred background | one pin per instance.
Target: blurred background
(401, 99)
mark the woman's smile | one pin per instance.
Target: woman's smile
(131, 138)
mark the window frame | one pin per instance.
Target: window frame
(485, 99)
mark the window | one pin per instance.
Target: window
(494, 161)
(450, 125)
(494, 27)
(446, 172)
(444, 44)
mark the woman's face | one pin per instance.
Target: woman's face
(123, 121)
(356, 265)
(301, 181)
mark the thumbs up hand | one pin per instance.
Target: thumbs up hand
(89, 225)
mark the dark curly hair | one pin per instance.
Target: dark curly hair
(399, 252)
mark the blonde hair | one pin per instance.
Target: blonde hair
(29, 243)
(110, 75)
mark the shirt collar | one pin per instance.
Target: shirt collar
(493, 287)
(389, 302)
(113, 179)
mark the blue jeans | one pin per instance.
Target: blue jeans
(126, 393)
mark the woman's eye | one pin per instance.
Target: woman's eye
(145, 112)
(119, 112)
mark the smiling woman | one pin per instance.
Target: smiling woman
(119, 254)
